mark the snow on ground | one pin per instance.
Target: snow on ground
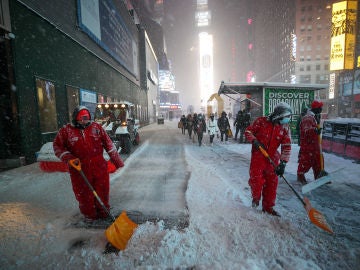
(224, 231)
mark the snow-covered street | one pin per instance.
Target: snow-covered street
(224, 232)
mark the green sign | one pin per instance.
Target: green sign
(296, 98)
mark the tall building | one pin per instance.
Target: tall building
(313, 25)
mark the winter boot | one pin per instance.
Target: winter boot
(272, 212)
(255, 203)
(301, 178)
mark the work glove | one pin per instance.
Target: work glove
(280, 169)
(318, 130)
(67, 157)
(116, 159)
(257, 144)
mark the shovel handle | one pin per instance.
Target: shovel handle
(263, 151)
(75, 163)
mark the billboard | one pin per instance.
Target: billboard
(343, 35)
(296, 98)
(100, 20)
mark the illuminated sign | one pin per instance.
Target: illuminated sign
(166, 80)
(332, 86)
(203, 17)
(343, 35)
(206, 65)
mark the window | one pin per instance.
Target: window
(305, 78)
(326, 67)
(47, 105)
(308, 58)
(301, 68)
(308, 68)
(317, 67)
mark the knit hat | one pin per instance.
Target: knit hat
(316, 104)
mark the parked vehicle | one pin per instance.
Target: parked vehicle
(118, 119)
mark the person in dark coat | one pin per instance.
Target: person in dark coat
(86, 141)
(189, 124)
(200, 127)
(303, 113)
(224, 126)
(238, 123)
(183, 124)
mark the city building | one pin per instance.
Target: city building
(57, 54)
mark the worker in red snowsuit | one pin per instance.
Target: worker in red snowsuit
(269, 133)
(86, 141)
(310, 155)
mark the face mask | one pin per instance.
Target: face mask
(285, 120)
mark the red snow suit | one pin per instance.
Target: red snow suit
(309, 154)
(263, 179)
(88, 145)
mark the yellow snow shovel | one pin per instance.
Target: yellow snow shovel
(315, 216)
(122, 228)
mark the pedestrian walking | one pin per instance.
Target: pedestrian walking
(194, 127)
(86, 141)
(224, 126)
(189, 124)
(183, 124)
(200, 125)
(241, 122)
(212, 128)
(269, 133)
(310, 154)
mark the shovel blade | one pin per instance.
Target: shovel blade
(120, 232)
(317, 218)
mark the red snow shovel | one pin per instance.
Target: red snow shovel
(315, 216)
(122, 228)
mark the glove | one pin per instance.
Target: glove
(67, 157)
(257, 144)
(280, 169)
(318, 130)
(116, 159)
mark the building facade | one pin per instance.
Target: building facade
(59, 54)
